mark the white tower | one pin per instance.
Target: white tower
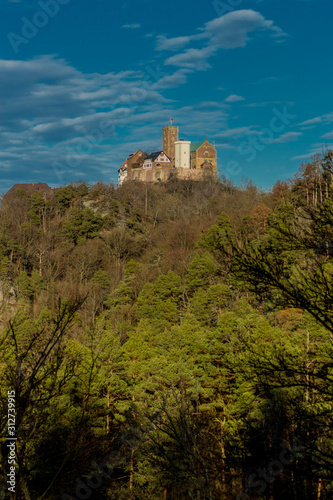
(182, 154)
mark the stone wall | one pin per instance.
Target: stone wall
(206, 152)
(158, 174)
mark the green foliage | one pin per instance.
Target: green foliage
(81, 190)
(81, 223)
(201, 272)
(188, 370)
(126, 292)
(101, 279)
(29, 286)
(207, 305)
(218, 236)
(288, 263)
(113, 207)
(160, 301)
(64, 196)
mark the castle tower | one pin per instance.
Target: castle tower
(182, 154)
(170, 136)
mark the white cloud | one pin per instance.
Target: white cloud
(316, 149)
(328, 136)
(232, 30)
(132, 26)
(226, 32)
(238, 132)
(173, 80)
(175, 43)
(191, 58)
(211, 104)
(234, 98)
(287, 137)
(47, 90)
(323, 119)
(306, 156)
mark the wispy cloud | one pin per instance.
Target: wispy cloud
(175, 43)
(132, 26)
(270, 79)
(314, 150)
(266, 103)
(287, 137)
(226, 32)
(328, 135)
(192, 58)
(323, 119)
(234, 98)
(238, 132)
(172, 80)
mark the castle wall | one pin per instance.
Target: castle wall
(205, 153)
(157, 174)
(196, 175)
(152, 174)
(135, 161)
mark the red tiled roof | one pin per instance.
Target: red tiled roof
(34, 187)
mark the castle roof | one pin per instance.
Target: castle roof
(135, 152)
(196, 145)
(155, 155)
(31, 188)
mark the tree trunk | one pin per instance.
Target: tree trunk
(24, 488)
(107, 415)
(319, 489)
(132, 473)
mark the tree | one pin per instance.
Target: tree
(161, 301)
(291, 266)
(201, 272)
(293, 259)
(81, 223)
(37, 365)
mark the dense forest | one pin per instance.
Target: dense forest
(170, 341)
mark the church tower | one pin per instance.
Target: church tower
(170, 136)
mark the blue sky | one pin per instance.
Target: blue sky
(85, 83)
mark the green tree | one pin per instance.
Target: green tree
(81, 224)
(202, 272)
(160, 301)
(29, 286)
(36, 363)
(207, 305)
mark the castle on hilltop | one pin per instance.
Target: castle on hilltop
(187, 160)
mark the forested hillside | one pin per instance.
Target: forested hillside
(170, 341)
